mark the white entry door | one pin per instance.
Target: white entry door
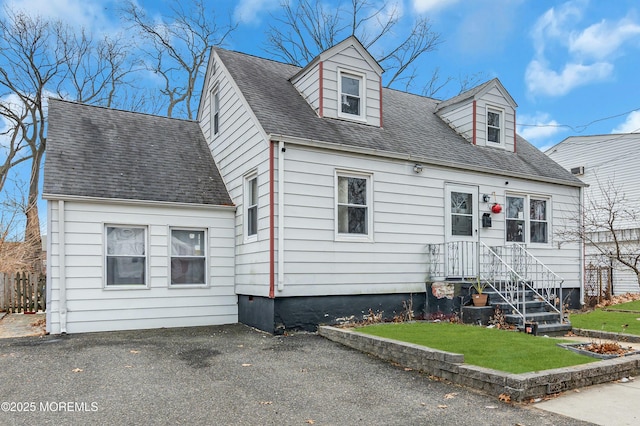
(461, 230)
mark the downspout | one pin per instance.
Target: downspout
(281, 151)
(49, 268)
(271, 225)
(62, 268)
(474, 123)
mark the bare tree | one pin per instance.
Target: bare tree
(40, 58)
(610, 226)
(16, 253)
(177, 48)
(307, 28)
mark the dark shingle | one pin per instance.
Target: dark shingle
(411, 126)
(106, 153)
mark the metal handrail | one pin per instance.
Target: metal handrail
(544, 279)
(504, 280)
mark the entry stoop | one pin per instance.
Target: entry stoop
(540, 318)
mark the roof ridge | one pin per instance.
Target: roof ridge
(148, 114)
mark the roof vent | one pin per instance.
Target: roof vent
(579, 171)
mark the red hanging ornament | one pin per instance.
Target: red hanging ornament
(496, 208)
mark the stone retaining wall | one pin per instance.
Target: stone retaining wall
(451, 367)
(619, 337)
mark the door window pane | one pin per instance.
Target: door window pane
(461, 214)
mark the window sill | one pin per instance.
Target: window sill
(126, 287)
(356, 238)
(173, 286)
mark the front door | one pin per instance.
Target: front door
(461, 233)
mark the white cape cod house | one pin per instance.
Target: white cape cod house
(299, 197)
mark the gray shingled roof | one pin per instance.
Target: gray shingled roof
(100, 152)
(411, 126)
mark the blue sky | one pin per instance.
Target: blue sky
(572, 66)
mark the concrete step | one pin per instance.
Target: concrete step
(538, 317)
(555, 329)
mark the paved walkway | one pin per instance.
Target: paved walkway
(21, 325)
(614, 404)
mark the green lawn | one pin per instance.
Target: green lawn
(492, 348)
(629, 306)
(609, 320)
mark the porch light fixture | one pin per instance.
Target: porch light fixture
(486, 198)
(417, 168)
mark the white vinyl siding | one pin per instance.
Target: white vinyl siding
(605, 159)
(309, 87)
(241, 147)
(408, 212)
(349, 61)
(460, 118)
(92, 307)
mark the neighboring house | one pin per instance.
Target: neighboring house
(347, 197)
(608, 164)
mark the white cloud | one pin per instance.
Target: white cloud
(552, 25)
(250, 11)
(631, 124)
(537, 128)
(568, 56)
(603, 39)
(422, 6)
(541, 79)
(97, 15)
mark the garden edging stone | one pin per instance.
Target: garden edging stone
(450, 366)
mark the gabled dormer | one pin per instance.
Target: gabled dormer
(484, 115)
(343, 82)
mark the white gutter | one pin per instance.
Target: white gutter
(418, 159)
(62, 268)
(281, 151)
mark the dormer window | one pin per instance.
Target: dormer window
(351, 99)
(494, 126)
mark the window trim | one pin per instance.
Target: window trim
(527, 218)
(205, 257)
(499, 111)
(215, 111)
(246, 206)
(340, 236)
(105, 285)
(363, 91)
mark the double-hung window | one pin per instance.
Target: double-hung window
(251, 205)
(188, 256)
(126, 255)
(527, 219)
(353, 204)
(351, 95)
(494, 126)
(215, 111)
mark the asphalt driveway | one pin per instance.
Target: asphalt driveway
(229, 375)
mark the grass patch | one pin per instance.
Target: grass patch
(485, 347)
(608, 321)
(629, 306)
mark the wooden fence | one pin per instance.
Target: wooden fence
(22, 292)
